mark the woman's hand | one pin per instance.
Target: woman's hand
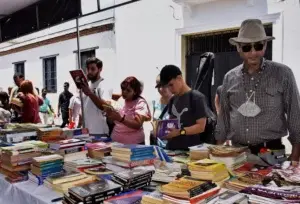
(20, 95)
(114, 115)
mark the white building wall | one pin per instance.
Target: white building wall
(65, 61)
(145, 39)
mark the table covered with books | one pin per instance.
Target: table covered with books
(42, 164)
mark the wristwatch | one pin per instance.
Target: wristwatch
(182, 131)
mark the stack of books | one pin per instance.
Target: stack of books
(45, 166)
(232, 157)
(188, 190)
(256, 171)
(133, 179)
(129, 153)
(19, 157)
(208, 170)
(155, 197)
(98, 150)
(17, 135)
(199, 152)
(101, 170)
(241, 182)
(70, 148)
(65, 180)
(78, 133)
(50, 134)
(227, 197)
(80, 165)
(132, 197)
(14, 177)
(93, 193)
(166, 172)
(131, 164)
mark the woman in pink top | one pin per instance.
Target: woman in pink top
(129, 120)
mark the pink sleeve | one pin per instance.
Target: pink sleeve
(142, 109)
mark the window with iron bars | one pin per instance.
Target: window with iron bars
(50, 75)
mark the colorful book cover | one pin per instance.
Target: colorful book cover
(164, 126)
(79, 78)
(96, 188)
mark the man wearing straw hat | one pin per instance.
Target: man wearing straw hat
(260, 101)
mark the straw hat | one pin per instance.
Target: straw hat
(251, 31)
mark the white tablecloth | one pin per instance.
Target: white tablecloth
(25, 192)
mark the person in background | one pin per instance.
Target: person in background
(4, 108)
(18, 79)
(96, 94)
(75, 110)
(217, 99)
(63, 104)
(130, 119)
(9, 91)
(31, 103)
(189, 107)
(45, 109)
(37, 90)
(160, 104)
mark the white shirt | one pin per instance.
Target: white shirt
(95, 120)
(75, 105)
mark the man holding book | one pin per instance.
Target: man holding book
(189, 107)
(96, 95)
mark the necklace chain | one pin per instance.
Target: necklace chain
(262, 68)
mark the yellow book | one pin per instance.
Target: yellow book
(206, 165)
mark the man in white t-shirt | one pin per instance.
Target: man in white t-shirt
(75, 110)
(96, 95)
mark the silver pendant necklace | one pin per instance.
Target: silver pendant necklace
(250, 108)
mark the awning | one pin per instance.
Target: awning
(10, 6)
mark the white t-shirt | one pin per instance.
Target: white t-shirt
(95, 120)
(75, 105)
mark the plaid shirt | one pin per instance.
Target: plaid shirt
(276, 94)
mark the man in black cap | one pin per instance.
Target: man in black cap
(189, 107)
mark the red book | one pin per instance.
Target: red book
(79, 78)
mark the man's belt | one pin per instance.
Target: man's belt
(272, 145)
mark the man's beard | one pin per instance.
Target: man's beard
(92, 77)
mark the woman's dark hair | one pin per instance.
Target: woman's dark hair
(133, 83)
(4, 98)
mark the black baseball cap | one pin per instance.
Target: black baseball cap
(158, 84)
(168, 73)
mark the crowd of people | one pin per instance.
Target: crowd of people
(256, 106)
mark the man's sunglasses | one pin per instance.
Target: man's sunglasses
(256, 46)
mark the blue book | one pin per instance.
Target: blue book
(132, 148)
(143, 158)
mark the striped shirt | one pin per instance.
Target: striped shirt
(276, 94)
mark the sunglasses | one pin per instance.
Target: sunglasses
(257, 47)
